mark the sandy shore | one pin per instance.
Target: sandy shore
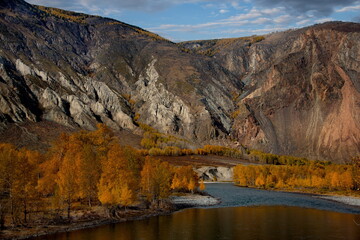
(190, 200)
(353, 201)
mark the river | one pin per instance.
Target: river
(244, 213)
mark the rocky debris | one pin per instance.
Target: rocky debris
(194, 200)
(221, 174)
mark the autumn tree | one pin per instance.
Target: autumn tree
(25, 180)
(18, 180)
(7, 155)
(185, 179)
(49, 169)
(191, 185)
(156, 179)
(121, 170)
(68, 189)
(356, 172)
(202, 185)
(127, 196)
(114, 175)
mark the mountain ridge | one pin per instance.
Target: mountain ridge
(280, 93)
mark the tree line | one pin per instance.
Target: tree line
(85, 168)
(314, 176)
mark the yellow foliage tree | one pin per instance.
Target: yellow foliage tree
(202, 185)
(182, 178)
(260, 181)
(113, 176)
(18, 172)
(66, 180)
(127, 196)
(191, 185)
(156, 179)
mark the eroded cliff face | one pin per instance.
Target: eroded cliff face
(302, 95)
(78, 70)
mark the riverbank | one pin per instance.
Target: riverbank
(332, 196)
(352, 201)
(341, 197)
(97, 216)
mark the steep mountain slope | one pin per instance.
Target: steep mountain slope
(296, 92)
(78, 70)
(302, 90)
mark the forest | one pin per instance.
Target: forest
(85, 168)
(92, 168)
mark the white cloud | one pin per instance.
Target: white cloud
(261, 21)
(348, 9)
(322, 20)
(322, 7)
(256, 31)
(222, 11)
(202, 26)
(254, 13)
(283, 19)
(303, 22)
(272, 11)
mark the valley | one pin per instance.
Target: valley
(103, 122)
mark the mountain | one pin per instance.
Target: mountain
(78, 70)
(294, 92)
(302, 89)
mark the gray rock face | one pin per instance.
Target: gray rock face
(79, 70)
(215, 173)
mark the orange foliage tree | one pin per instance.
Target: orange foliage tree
(156, 179)
(120, 172)
(18, 180)
(185, 179)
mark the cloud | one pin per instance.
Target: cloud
(254, 16)
(348, 9)
(261, 21)
(303, 22)
(322, 7)
(322, 20)
(255, 13)
(119, 5)
(195, 27)
(283, 19)
(256, 31)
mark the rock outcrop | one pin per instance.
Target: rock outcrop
(222, 174)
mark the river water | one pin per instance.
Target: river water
(244, 213)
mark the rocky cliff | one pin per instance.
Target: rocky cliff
(302, 89)
(295, 92)
(78, 70)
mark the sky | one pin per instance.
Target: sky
(183, 20)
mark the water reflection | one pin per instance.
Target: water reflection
(265, 222)
(243, 214)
